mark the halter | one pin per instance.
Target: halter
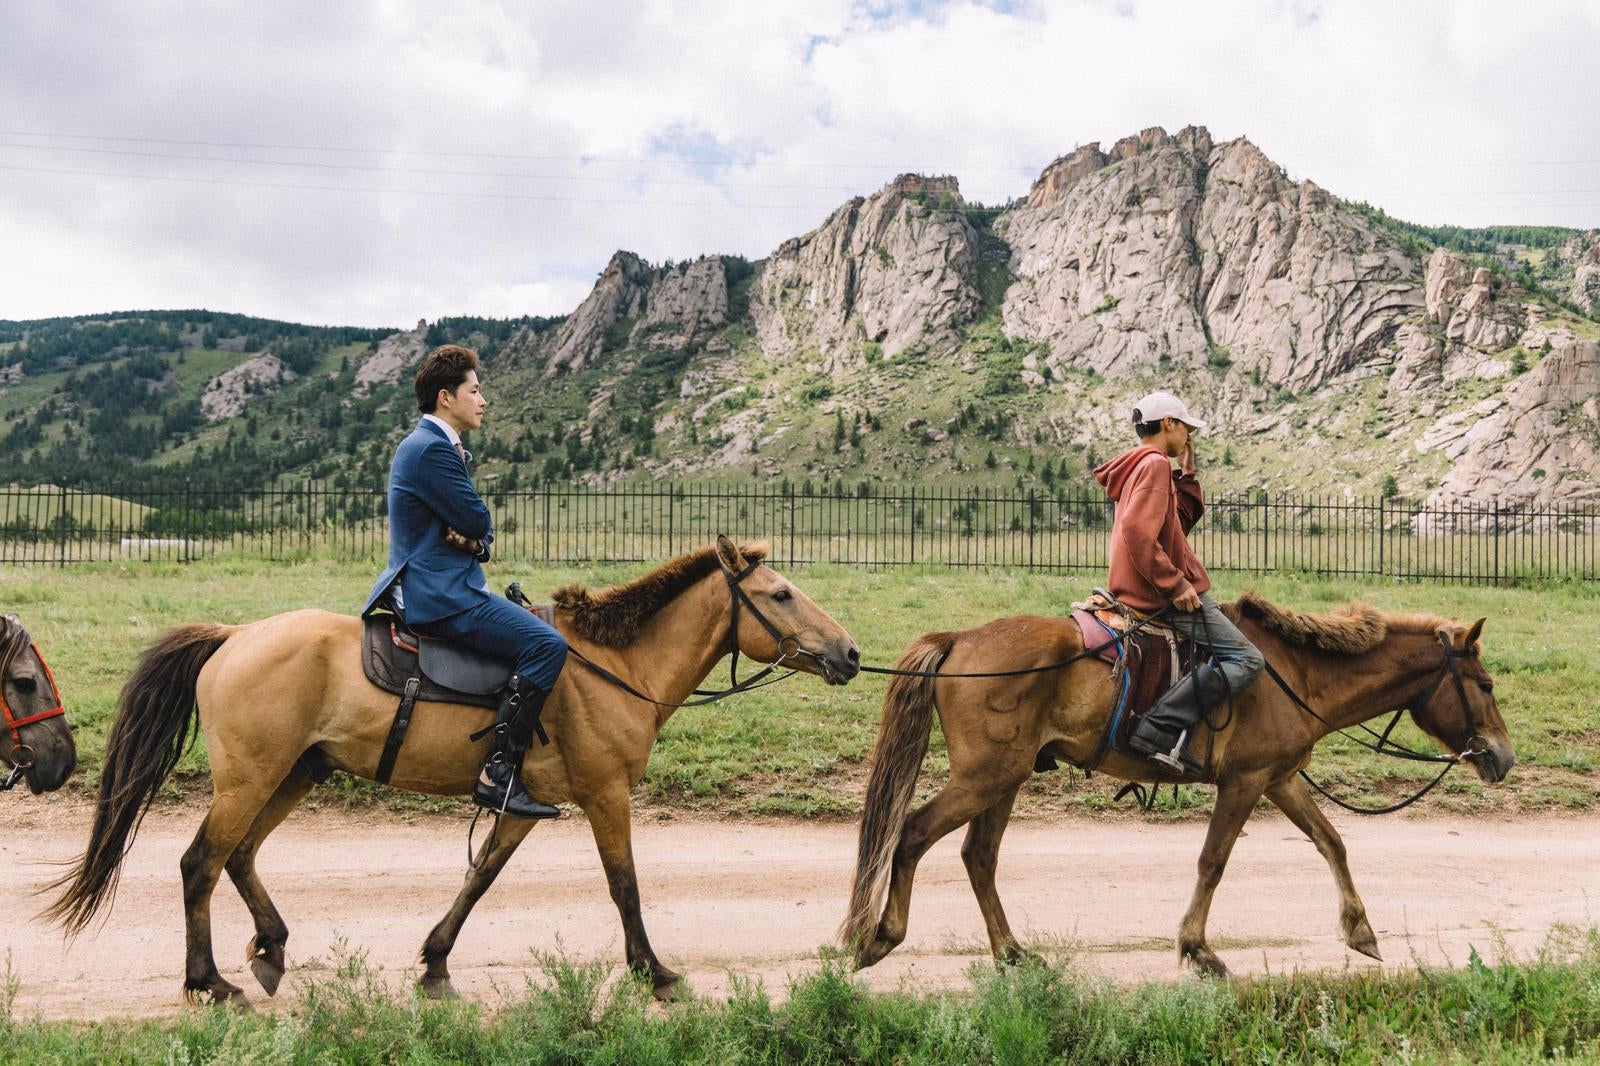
(21, 762)
(1477, 744)
(788, 647)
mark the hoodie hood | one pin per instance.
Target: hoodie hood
(1113, 474)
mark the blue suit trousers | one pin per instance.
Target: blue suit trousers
(498, 627)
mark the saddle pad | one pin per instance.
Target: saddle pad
(389, 665)
(1152, 661)
(1097, 634)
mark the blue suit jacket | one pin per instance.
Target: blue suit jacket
(429, 489)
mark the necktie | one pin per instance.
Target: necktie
(466, 456)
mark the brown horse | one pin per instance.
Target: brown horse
(35, 740)
(1349, 666)
(273, 690)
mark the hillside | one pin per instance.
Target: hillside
(914, 336)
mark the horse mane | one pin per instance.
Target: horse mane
(615, 616)
(1351, 629)
(13, 639)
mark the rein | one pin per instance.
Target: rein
(1087, 653)
(1476, 744)
(788, 648)
(21, 763)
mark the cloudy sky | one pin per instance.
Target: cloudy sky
(372, 162)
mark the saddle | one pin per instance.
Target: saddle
(420, 668)
(1145, 663)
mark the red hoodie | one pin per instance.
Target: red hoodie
(1151, 561)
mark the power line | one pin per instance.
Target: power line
(631, 180)
(693, 160)
(462, 193)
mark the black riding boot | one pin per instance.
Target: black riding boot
(514, 726)
(1163, 733)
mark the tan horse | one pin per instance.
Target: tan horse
(35, 739)
(273, 690)
(1349, 666)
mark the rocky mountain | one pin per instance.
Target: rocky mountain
(914, 335)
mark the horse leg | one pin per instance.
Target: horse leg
(980, 852)
(610, 817)
(953, 806)
(233, 811)
(1294, 800)
(1235, 800)
(491, 859)
(265, 950)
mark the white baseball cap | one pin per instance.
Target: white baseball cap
(1159, 405)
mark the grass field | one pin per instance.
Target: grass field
(1544, 1007)
(799, 749)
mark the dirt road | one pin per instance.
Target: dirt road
(758, 899)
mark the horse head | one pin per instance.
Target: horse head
(35, 736)
(1458, 709)
(779, 622)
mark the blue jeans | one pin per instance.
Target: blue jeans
(500, 628)
(1237, 658)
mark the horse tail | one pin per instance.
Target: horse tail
(896, 761)
(156, 723)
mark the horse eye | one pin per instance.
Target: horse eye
(24, 684)
(1487, 686)
(781, 595)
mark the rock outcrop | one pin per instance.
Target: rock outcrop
(227, 394)
(684, 303)
(396, 354)
(894, 269)
(616, 297)
(1537, 442)
(1585, 254)
(1170, 247)
(1469, 316)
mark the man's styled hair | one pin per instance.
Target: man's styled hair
(1145, 429)
(446, 367)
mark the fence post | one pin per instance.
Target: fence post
(1496, 505)
(791, 526)
(1383, 529)
(913, 525)
(188, 503)
(61, 524)
(672, 518)
(1266, 523)
(1030, 528)
(547, 521)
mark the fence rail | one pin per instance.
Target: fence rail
(874, 526)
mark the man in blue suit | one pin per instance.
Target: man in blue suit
(439, 531)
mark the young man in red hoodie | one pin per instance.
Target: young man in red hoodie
(1154, 569)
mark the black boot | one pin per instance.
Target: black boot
(1163, 733)
(514, 725)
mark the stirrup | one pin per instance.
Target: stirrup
(1175, 760)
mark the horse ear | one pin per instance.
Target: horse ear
(1475, 632)
(728, 554)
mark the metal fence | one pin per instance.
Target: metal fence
(868, 526)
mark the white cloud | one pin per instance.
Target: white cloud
(1401, 104)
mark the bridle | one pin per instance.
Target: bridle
(1476, 744)
(788, 647)
(22, 754)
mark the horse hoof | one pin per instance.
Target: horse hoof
(1362, 939)
(439, 988)
(1017, 955)
(873, 952)
(667, 987)
(1205, 961)
(268, 974)
(220, 995)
